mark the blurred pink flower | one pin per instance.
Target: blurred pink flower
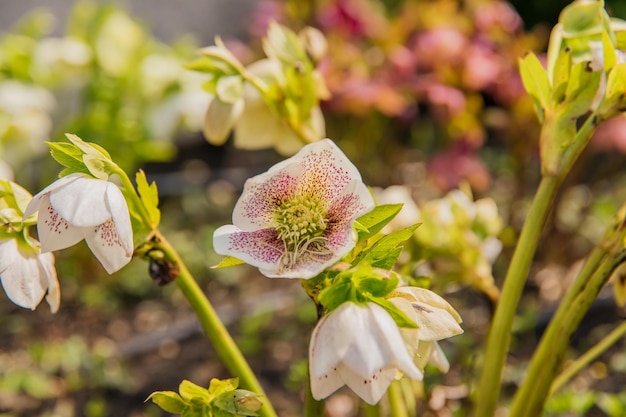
(444, 46)
(264, 12)
(482, 67)
(354, 18)
(497, 15)
(610, 135)
(449, 168)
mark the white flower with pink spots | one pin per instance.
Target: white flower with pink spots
(297, 219)
(77, 207)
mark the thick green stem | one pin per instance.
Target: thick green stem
(500, 333)
(585, 359)
(549, 356)
(224, 344)
(396, 400)
(312, 407)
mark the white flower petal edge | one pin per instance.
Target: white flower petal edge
(359, 346)
(78, 207)
(27, 276)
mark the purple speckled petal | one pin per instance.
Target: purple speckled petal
(262, 195)
(259, 248)
(354, 201)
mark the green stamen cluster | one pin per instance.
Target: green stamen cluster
(300, 223)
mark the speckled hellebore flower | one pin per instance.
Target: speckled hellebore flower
(77, 207)
(297, 218)
(358, 345)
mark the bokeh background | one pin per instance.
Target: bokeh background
(424, 94)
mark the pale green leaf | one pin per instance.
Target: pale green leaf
(227, 262)
(168, 400)
(372, 222)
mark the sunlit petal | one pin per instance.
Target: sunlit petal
(19, 274)
(81, 202)
(55, 233)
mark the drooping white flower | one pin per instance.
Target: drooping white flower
(296, 219)
(436, 320)
(77, 207)
(359, 346)
(27, 275)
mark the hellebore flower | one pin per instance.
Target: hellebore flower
(359, 346)
(436, 319)
(77, 207)
(27, 274)
(296, 219)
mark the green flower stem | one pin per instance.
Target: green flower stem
(549, 356)
(312, 407)
(583, 135)
(214, 328)
(371, 410)
(132, 194)
(396, 400)
(585, 359)
(500, 333)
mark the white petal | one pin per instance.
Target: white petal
(435, 323)
(54, 232)
(370, 388)
(33, 206)
(219, 120)
(258, 248)
(81, 202)
(48, 271)
(438, 358)
(388, 335)
(106, 245)
(19, 274)
(117, 206)
(428, 297)
(323, 362)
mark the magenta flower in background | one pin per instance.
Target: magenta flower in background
(296, 219)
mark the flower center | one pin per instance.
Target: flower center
(300, 223)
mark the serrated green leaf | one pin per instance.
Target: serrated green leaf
(396, 314)
(536, 82)
(227, 262)
(149, 196)
(168, 400)
(220, 386)
(385, 249)
(239, 403)
(372, 222)
(87, 147)
(190, 391)
(378, 286)
(66, 154)
(333, 296)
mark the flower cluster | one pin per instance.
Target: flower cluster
(272, 102)
(311, 217)
(297, 219)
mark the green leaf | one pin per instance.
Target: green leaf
(371, 223)
(149, 196)
(378, 286)
(168, 400)
(608, 48)
(581, 90)
(333, 296)
(536, 83)
(220, 386)
(582, 18)
(384, 251)
(239, 402)
(396, 314)
(562, 69)
(188, 390)
(66, 154)
(227, 262)
(96, 166)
